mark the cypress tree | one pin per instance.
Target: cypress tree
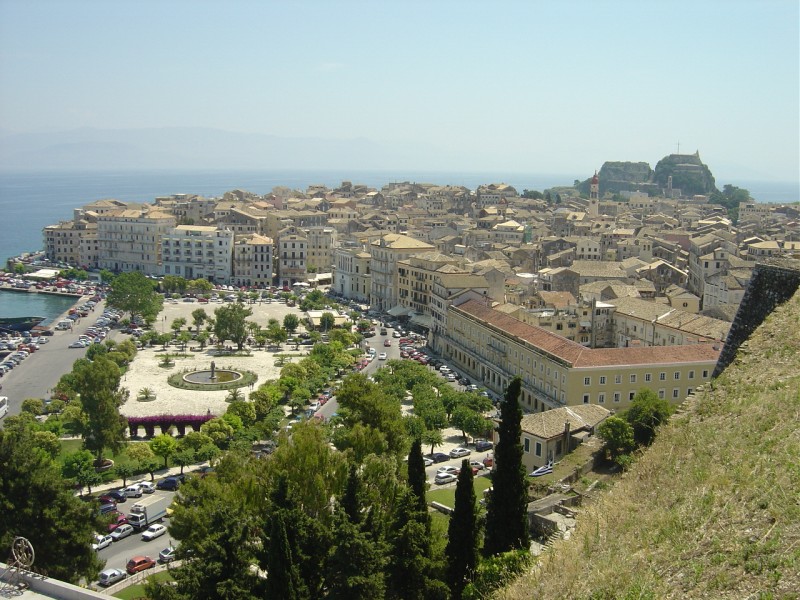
(350, 501)
(354, 567)
(507, 514)
(462, 534)
(410, 572)
(283, 576)
(416, 474)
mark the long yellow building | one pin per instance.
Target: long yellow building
(492, 347)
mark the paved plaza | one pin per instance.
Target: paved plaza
(145, 371)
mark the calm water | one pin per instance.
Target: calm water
(18, 304)
(31, 200)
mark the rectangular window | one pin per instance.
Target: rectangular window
(676, 392)
(617, 378)
(661, 394)
(677, 375)
(633, 377)
(662, 376)
(616, 396)
(538, 449)
(601, 398)
(705, 374)
(631, 395)
(527, 445)
(648, 377)
(586, 398)
(603, 380)
(587, 381)
(691, 374)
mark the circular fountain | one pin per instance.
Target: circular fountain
(212, 376)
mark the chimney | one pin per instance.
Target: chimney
(566, 437)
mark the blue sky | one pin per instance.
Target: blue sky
(549, 87)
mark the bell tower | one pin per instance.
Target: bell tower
(594, 196)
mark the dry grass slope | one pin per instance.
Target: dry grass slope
(712, 510)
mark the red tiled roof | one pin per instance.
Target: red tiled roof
(579, 356)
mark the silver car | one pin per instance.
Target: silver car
(110, 577)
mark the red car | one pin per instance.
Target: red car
(139, 563)
(387, 342)
(120, 519)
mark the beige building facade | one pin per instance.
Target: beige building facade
(492, 348)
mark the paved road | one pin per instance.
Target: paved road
(119, 553)
(38, 374)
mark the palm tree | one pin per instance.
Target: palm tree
(235, 395)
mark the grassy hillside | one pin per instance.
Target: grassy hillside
(712, 510)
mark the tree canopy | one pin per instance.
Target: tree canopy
(134, 293)
(39, 505)
(231, 323)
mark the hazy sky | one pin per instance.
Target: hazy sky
(550, 87)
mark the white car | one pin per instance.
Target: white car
(147, 487)
(102, 541)
(444, 369)
(153, 532)
(133, 491)
(428, 461)
(382, 356)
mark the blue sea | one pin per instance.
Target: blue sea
(31, 200)
(21, 304)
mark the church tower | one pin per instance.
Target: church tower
(594, 196)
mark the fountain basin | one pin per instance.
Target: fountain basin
(205, 377)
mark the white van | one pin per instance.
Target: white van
(3, 406)
(65, 324)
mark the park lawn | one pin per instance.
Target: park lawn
(137, 591)
(447, 496)
(72, 445)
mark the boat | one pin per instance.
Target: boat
(543, 470)
(19, 323)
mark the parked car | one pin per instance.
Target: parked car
(443, 478)
(483, 445)
(387, 342)
(122, 531)
(168, 483)
(488, 461)
(147, 487)
(133, 491)
(113, 496)
(439, 457)
(110, 577)
(166, 555)
(459, 452)
(101, 541)
(118, 520)
(476, 464)
(153, 532)
(428, 461)
(448, 469)
(107, 507)
(382, 356)
(139, 563)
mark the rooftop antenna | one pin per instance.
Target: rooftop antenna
(679, 147)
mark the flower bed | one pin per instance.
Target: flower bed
(180, 422)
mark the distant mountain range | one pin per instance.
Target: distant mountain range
(195, 147)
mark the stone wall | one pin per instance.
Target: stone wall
(773, 283)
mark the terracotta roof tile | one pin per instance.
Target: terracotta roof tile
(577, 355)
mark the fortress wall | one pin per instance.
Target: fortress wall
(773, 283)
